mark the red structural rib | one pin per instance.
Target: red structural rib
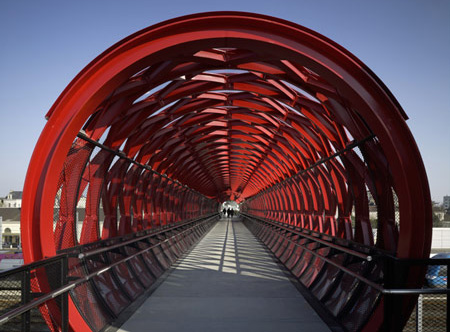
(226, 106)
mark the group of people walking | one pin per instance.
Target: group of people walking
(228, 213)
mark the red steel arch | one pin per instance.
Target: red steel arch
(226, 106)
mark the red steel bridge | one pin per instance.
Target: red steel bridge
(149, 139)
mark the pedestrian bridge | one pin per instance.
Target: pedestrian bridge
(144, 145)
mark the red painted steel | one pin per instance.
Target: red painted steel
(227, 106)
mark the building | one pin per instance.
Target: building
(446, 202)
(10, 227)
(10, 207)
(12, 200)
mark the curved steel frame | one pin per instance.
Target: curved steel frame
(209, 107)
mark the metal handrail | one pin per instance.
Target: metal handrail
(31, 266)
(82, 135)
(350, 146)
(415, 291)
(138, 239)
(390, 321)
(74, 283)
(37, 301)
(327, 243)
(370, 283)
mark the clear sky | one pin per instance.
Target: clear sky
(44, 44)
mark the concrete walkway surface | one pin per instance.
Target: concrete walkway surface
(228, 282)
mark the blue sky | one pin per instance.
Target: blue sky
(44, 44)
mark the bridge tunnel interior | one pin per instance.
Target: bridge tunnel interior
(172, 121)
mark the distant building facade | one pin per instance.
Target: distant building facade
(446, 202)
(10, 207)
(10, 227)
(12, 200)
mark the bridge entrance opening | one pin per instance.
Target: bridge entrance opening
(232, 205)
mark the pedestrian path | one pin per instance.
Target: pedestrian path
(228, 282)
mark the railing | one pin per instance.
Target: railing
(19, 306)
(432, 311)
(22, 302)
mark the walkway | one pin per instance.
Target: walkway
(228, 282)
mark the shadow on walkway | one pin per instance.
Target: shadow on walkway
(228, 282)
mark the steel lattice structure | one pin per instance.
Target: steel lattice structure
(185, 114)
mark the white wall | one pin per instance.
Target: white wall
(441, 238)
(14, 226)
(12, 203)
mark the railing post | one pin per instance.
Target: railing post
(392, 302)
(419, 313)
(65, 295)
(26, 321)
(387, 319)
